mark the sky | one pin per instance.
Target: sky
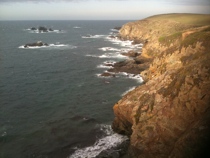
(96, 9)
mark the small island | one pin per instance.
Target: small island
(36, 44)
(42, 29)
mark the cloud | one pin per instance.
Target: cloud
(35, 1)
(174, 2)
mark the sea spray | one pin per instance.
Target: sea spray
(112, 144)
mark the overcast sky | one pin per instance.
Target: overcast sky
(96, 9)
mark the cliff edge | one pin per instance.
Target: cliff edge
(169, 115)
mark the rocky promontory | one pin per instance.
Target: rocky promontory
(169, 115)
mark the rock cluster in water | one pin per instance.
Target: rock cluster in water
(36, 44)
(42, 29)
(169, 115)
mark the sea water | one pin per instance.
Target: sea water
(53, 102)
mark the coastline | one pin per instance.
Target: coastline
(174, 98)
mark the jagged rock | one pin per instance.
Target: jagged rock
(39, 44)
(133, 66)
(113, 37)
(117, 28)
(33, 28)
(109, 64)
(168, 116)
(42, 29)
(50, 29)
(131, 53)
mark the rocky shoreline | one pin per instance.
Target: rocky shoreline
(167, 116)
(135, 64)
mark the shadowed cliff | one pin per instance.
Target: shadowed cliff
(169, 115)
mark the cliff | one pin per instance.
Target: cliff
(169, 115)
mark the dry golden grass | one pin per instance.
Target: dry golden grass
(188, 19)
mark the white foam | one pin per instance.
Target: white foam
(112, 55)
(90, 55)
(107, 64)
(130, 89)
(109, 49)
(49, 46)
(137, 77)
(109, 141)
(133, 76)
(4, 134)
(110, 62)
(77, 27)
(111, 76)
(104, 66)
(127, 43)
(115, 30)
(94, 36)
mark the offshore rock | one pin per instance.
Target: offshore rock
(106, 74)
(169, 115)
(36, 44)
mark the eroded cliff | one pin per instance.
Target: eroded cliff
(169, 115)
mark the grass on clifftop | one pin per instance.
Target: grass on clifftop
(167, 40)
(188, 19)
(202, 35)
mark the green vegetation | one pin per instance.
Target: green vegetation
(201, 36)
(167, 40)
(198, 36)
(188, 19)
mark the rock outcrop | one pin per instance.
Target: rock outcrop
(41, 29)
(169, 115)
(36, 44)
(132, 66)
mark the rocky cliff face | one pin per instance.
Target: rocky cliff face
(169, 115)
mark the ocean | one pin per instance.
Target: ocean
(53, 101)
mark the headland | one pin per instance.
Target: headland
(168, 115)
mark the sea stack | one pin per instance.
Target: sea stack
(169, 115)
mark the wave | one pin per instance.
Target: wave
(94, 36)
(133, 76)
(104, 66)
(114, 30)
(54, 46)
(112, 55)
(108, 56)
(129, 90)
(109, 49)
(107, 64)
(127, 43)
(94, 56)
(110, 141)
(77, 27)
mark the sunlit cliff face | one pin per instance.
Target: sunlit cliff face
(169, 114)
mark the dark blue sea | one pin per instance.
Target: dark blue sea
(53, 101)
